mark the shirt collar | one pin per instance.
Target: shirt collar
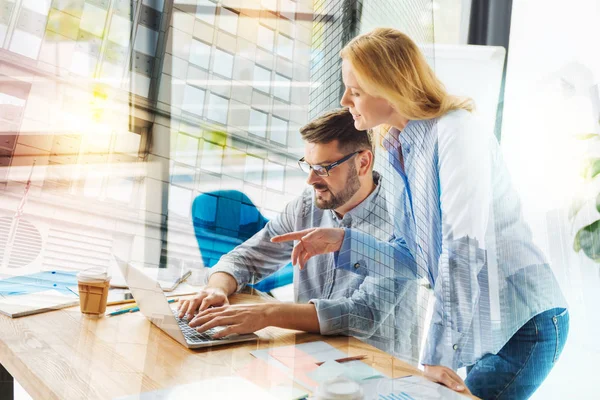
(361, 211)
(408, 137)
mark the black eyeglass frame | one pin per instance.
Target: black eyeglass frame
(326, 168)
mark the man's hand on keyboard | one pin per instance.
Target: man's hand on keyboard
(207, 297)
(238, 318)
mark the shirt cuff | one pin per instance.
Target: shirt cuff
(348, 257)
(332, 314)
(228, 270)
(443, 347)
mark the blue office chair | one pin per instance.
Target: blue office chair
(224, 219)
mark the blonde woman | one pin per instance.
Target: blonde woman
(499, 310)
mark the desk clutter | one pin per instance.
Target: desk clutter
(23, 295)
(317, 367)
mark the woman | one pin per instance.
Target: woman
(499, 310)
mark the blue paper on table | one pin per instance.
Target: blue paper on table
(359, 371)
(355, 370)
(38, 282)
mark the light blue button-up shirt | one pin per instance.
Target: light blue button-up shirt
(379, 310)
(456, 211)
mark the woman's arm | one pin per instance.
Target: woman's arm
(465, 197)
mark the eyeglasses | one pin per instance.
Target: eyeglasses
(323, 170)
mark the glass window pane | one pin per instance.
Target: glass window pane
(193, 100)
(146, 40)
(182, 176)
(287, 8)
(269, 4)
(262, 79)
(120, 189)
(223, 64)
(285, 46)
(217, 108)
(234, 162)
(205, 11)
(228, 21)
(212, 157)
(180, 201)
(187, 149)
(266, 37)
(282, 87)
(258, 123)
(254, 169)
(199, 53)
(275, 176)
(279, 130)
(93, 183)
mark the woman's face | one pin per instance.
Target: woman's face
(368, 111)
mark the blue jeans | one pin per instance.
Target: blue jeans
(523, 363)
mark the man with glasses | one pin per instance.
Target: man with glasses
(344, 192)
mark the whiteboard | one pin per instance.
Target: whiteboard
(471, 71)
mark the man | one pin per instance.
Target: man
(345, 193)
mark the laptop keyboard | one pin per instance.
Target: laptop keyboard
(194, 337)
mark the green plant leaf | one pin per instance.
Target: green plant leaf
(576, 205)
(591, 168)
(588, 240)
(598, 202)
(586, 136)
(576, 244)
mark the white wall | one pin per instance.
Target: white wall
(553, 59)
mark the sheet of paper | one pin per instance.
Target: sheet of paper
(295, 358)
(327, 371)
(210, 389)
(359, 371)
(264, 374)
(288, 393)
(407, 388)
(320, 351)
(31, 303)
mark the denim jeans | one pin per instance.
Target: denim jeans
(523, 363)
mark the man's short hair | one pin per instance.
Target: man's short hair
(337, 125)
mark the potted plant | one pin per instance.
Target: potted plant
(585, 212)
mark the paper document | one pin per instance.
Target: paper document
(32, 303)
(407, 388)
(210, 389)
(355, 370)
(299, 362)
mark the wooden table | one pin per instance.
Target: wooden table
(65, 355)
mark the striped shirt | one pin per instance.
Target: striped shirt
(379, 310)
(456, 212)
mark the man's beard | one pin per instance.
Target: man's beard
(337, 200)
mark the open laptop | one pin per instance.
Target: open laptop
(154, 305)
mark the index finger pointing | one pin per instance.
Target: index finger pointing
(286, 237)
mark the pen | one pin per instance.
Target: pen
(129, 309)
(138, 309)
(341, 360)
(118, 312)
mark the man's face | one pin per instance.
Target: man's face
(334, 190)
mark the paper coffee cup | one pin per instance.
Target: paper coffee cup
(93, 290)
(339, 388)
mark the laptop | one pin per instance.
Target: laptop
(154, 305)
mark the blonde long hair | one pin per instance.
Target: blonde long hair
(388, 64)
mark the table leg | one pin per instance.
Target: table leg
(7, 387)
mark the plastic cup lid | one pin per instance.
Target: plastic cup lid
(93, 275)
